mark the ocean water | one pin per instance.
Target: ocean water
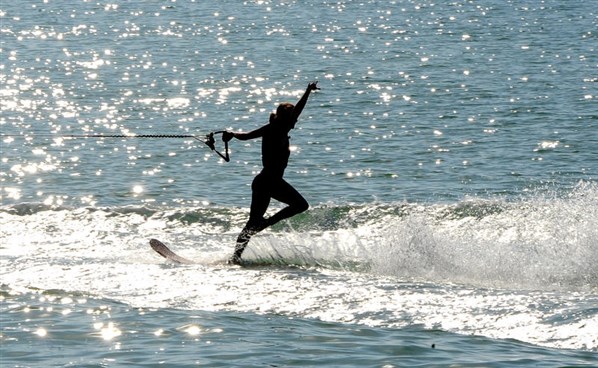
(450, 160)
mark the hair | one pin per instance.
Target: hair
(283, 112)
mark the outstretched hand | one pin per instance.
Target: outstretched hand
(312, 86)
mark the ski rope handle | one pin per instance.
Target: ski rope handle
(211, 142)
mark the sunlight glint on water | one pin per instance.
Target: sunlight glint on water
(449, 160)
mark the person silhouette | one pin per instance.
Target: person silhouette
(269, 183)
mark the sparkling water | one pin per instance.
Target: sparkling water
(450, 161)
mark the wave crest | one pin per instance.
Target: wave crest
(542, 241)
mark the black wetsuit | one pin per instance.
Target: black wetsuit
(269, 183)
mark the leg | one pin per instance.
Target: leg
(285, 193)
(260, 199)
(264, 188)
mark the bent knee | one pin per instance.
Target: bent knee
(302, 206)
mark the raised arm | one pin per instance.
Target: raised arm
(301, 104)
(227, 136)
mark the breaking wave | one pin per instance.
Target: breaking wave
(543, 241)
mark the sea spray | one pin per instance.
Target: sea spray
(538, 242)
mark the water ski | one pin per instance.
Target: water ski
(165, 252)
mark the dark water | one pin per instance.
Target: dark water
(59, 329)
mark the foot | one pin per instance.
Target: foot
(264, 223)
(251, 230)
(244, 238)
(234, 260)
(257, 227)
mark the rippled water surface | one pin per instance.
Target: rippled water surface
(449, 159)
(419, 101)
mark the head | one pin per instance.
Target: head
(284, 114)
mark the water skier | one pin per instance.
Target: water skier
(269, 183)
